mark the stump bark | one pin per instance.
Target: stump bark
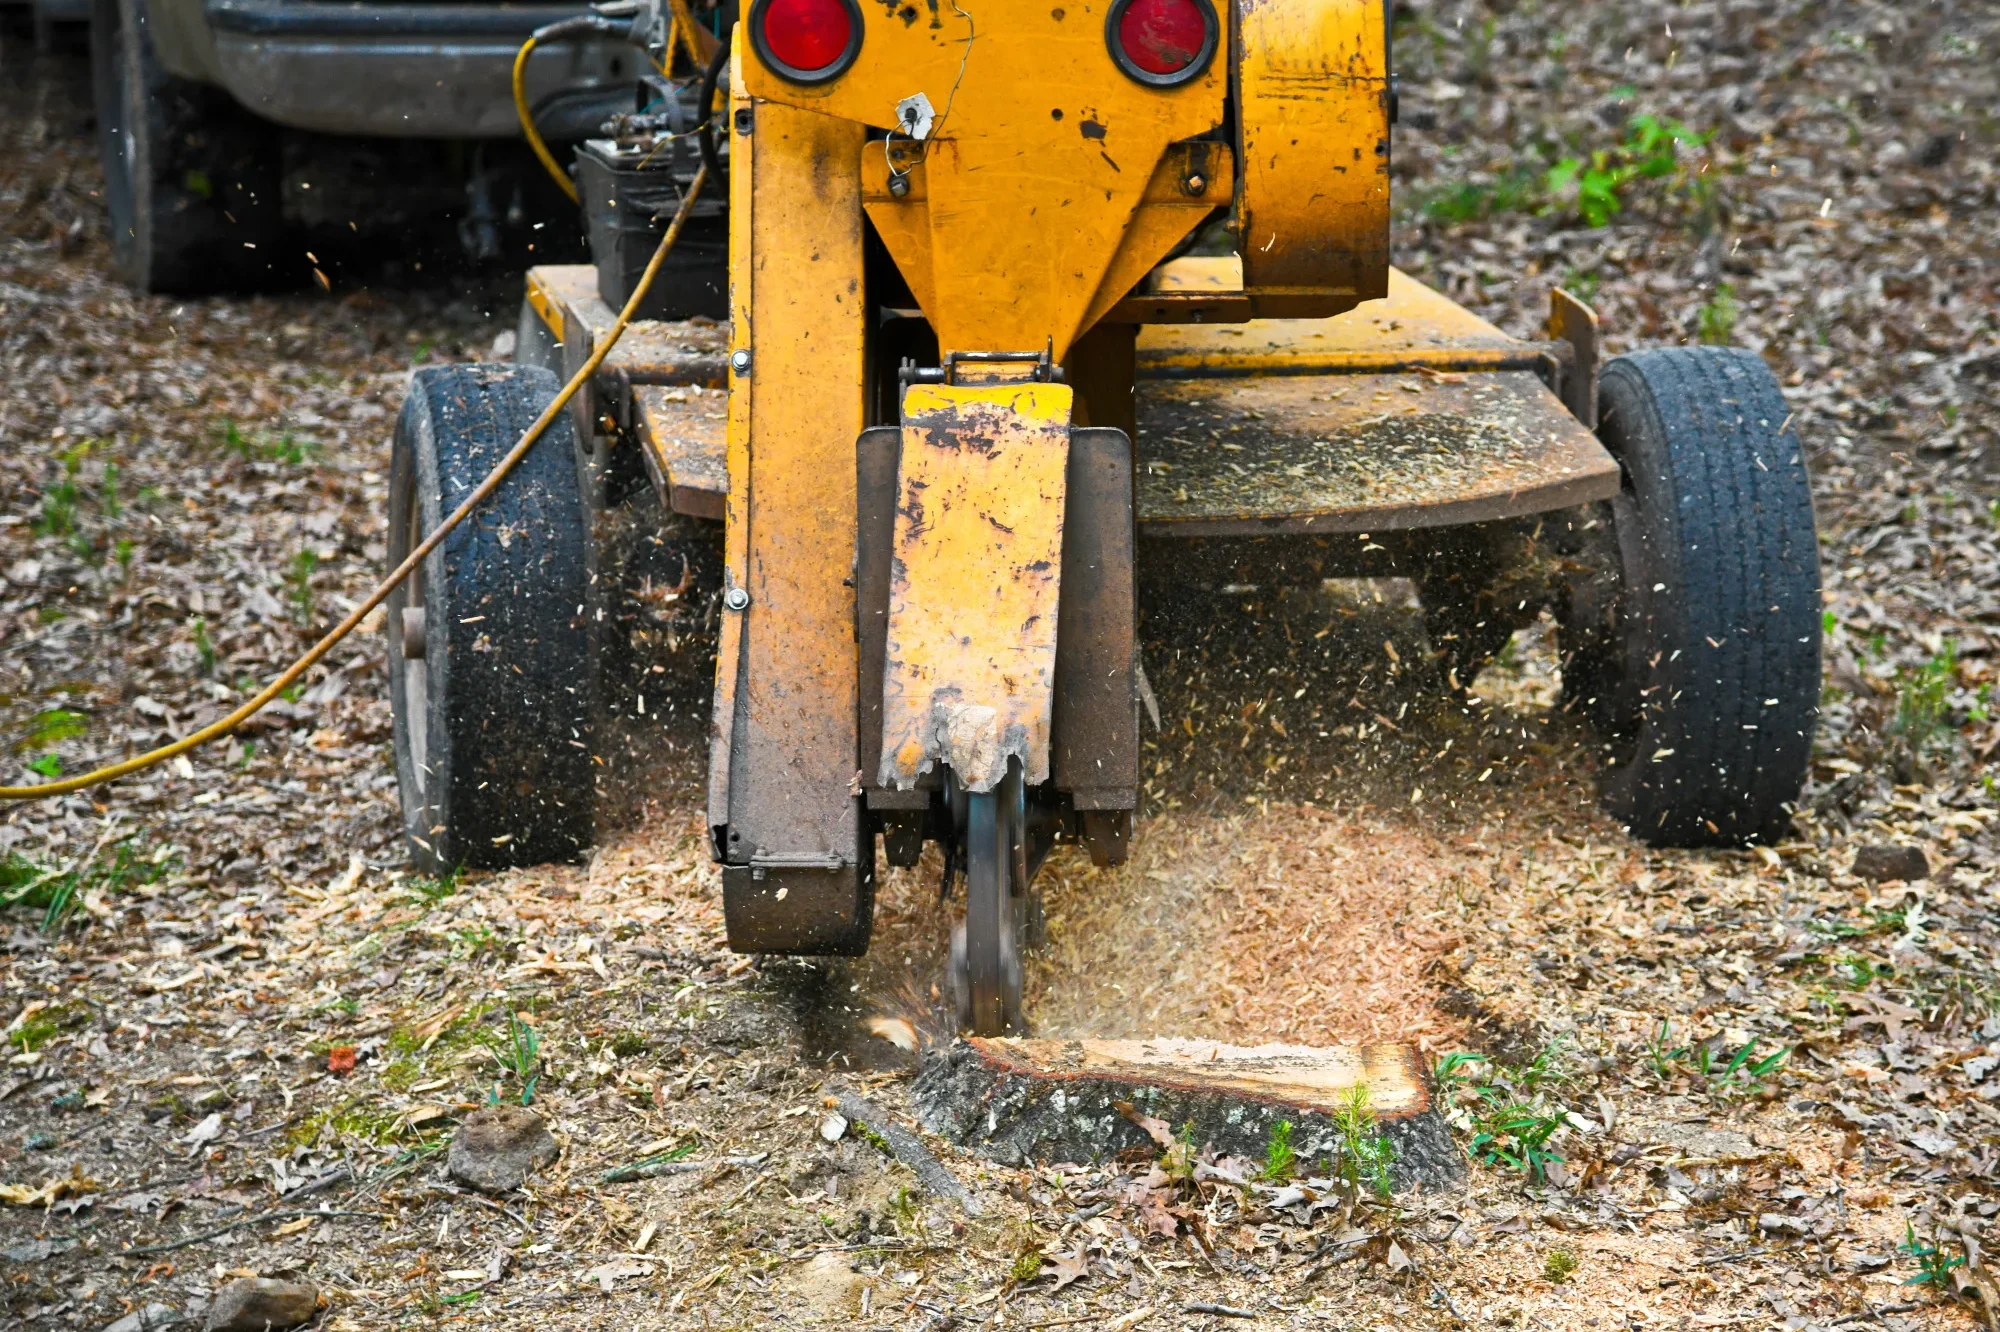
(1038, 1100)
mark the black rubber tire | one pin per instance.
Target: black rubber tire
(191, 179)
(493, 733)
(1702, 667)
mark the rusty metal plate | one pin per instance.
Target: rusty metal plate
(651, 351)
(1358, 453)
(968, 677)
(684, 434)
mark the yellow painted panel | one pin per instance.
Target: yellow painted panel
(1041, 151)
(1313, 103)
(970, 674)
(1187, 185)
(736, 504)
(1412, 324)
(1000, 69)
(803, 322)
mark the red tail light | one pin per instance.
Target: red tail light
(1162, 42)
(806, 41)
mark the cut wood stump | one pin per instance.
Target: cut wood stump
(1035, 1100)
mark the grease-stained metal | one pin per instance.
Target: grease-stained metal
(1358, 453)
(969, 672)
(1312, 111)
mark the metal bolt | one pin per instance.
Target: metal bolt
(739, 361)
(899, 185)
(1194, 184)
(736, 599)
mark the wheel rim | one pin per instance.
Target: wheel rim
(986, 949)
(416, 670)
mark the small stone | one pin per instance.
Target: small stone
(253, 1304)
(496, 1147)
(1886, 861)
(37, 1250)
(146, 1319)
(834, 1127)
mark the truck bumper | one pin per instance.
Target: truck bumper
(418, 71)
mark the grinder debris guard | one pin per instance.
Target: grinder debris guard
(972, 380)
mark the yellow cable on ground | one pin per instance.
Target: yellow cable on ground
(528, 123)
(215, 730)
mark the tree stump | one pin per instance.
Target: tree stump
(1038, 1100)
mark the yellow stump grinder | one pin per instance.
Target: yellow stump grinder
(989, 306)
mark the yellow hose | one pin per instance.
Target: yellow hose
(216, 730)
(528, 123)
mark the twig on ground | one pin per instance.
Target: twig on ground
(1219, 1310)
(652, 1169)
(280, 1215)
(314, 1185)
(930, 1172)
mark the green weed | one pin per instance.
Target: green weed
(1560, 1265)
(1934, 1266)
(473, 941)
(1717, 319)
(430, 892)
(1509, 1110)
(519, 1052)
(1594, 186)
(58, 515)
(1741, 1075)
(1279, 1158)
(53, 727)
(1922, 694)
(1365, 1156)
(204, 648)
(33, 1034)
(58, 892)
(1177, 1162)
(264, 446)
(1519, 190)
(1582, 285)
(298, 585)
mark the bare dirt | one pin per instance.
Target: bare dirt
(244, 1045)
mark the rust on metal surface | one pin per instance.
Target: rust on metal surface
(682, 433)
(1358, 453)
(652, 351)
(1575, 323)
(1318, 1078)
(969, 671)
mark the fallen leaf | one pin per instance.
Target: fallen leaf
(340, 1059)
(1068, 1268)
(203, 1133)
(1158, 1130)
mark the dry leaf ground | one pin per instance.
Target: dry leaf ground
(1332, 849)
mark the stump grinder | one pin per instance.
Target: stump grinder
(1004, 303)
